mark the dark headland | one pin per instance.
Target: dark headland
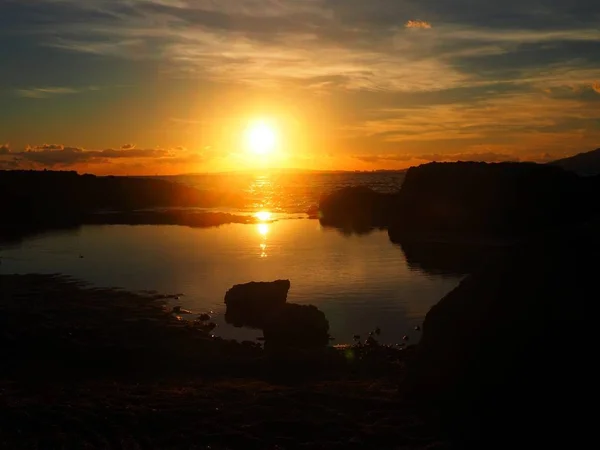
(504, 360)
(35, 201)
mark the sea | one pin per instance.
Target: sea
(360, 281)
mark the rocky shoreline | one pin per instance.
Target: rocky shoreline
(98, 367)
(492, 349)
(504, 358)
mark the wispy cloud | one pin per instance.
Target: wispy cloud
(526, 124)
(482, 78)
(64, 156)
(354, 44)
(45, 92)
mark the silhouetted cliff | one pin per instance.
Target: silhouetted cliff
(469, 198)
(503, 198)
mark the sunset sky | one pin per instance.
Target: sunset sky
(171, 86)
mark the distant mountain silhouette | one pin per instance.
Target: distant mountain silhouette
(583, 163)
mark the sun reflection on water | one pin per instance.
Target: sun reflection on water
(263, 229)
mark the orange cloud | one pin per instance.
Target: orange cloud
(596, 86)
(418, 24)
(129, 160)
(44, 147)
(417, 159)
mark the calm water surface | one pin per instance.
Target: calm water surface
(359, 282)
(287, 192)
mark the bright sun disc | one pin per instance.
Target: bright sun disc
(263, 216)
(261, 138)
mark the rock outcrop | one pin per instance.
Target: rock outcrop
(262, 305)
(507, 354)
(297, 326)
(467, 198)
(252, 304)
(356, 209)
(498, 199)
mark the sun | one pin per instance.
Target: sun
(263, 216)
(261, 138)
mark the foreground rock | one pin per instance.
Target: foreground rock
(252, 304)
(263, 305)
(507, 354)
(297, 326)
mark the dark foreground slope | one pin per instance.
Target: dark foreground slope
(507, 356)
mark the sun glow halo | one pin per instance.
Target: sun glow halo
(261, 138)
(263, 216)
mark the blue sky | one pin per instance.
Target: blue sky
(165, 86)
